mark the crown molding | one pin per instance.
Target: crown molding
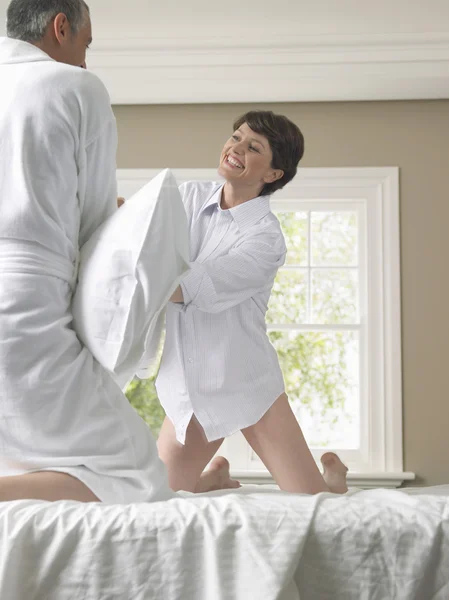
(284, 69)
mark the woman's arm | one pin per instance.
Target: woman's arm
(218, 284)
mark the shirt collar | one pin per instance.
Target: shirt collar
(214, 199)
(245, 215)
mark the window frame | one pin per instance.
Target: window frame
(376, 191)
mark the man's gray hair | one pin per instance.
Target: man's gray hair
(27, 20)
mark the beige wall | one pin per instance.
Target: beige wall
(411, 135)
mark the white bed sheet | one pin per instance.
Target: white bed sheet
(256, 543)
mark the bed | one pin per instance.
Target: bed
(256, 543)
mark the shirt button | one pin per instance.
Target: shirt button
(190, 360)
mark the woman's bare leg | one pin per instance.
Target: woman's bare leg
(185, 464)
(279, 442)
(44, 485)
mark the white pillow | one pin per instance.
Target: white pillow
(128, 270)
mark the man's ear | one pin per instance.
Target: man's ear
(61, 28)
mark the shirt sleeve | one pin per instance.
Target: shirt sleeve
(221, 283)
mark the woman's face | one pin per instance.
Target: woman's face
(246, 160)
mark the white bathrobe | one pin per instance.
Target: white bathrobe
(59, 410)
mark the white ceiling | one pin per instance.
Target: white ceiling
(253, 20)
(174, 51)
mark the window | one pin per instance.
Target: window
(316, 319)
(334, 319)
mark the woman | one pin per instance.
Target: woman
(219, 373)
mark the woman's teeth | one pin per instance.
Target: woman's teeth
(234, 163)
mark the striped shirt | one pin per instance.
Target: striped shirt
(218, 363)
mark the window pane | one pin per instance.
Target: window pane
(334, 296)
(334, 238)
(321, 371)
(288, 302)
(295, 227)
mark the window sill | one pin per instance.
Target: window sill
(361, 480)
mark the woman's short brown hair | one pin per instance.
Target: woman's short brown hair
(285, 139)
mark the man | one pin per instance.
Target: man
(66, 429)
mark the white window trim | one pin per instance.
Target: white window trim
(378, 188)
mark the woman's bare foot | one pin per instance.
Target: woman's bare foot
(216, 477)
(334, 473)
